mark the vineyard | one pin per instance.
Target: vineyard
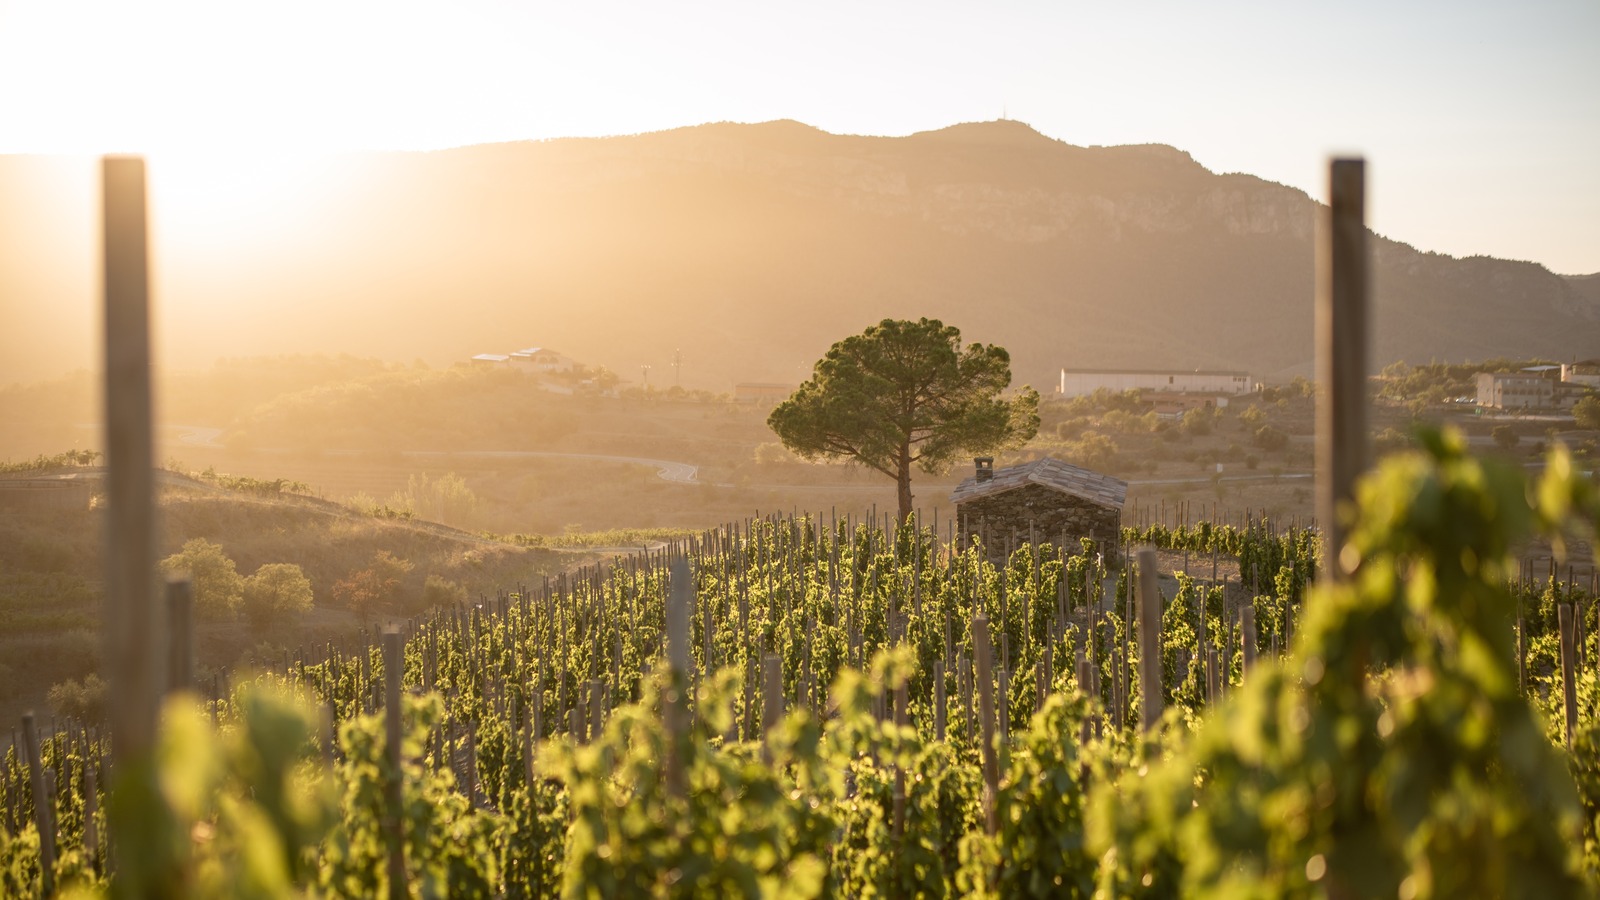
(794, 706)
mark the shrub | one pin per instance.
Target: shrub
(1586, 412)
(1269, 438)
(218, 587)
(365, 590)
(276, 592)
(1197, 422)
(82, 700)
(437, 592)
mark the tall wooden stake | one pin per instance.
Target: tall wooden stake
(675, 710)
(1150, 692)
(393, 662)
(135, 643)
(180, 618)
(991, 766)
(1341, 354)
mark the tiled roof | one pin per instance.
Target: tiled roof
(1102, 490)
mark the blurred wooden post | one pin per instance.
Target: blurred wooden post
(1150, 692)
(1341, 355)
(1569, 689)
(180, 619)
(675, 713)
(134, 641)
(771, 699)
(393, 663)
(939, 700)
(991, 766)
(41, 806)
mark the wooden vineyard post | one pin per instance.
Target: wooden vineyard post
(675, 712)
(939, 700)
(966, 688)
(1083, 680)
(529, 728)
(91, 803)
(1569, 689)
(899, 799)
(1003, 704)
(41, 806)
(1341, 355)
(991, 766)
(134, 642)
(180, 618)
(393, 662)
(1247, 628)
(1149, 642)
(771, 699)
(1046, 672)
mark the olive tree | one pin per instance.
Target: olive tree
(907, 393)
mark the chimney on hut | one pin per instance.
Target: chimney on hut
(984, 470)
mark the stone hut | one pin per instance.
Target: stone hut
(1050, 499)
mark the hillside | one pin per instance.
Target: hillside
(50, 565)
(751, 248)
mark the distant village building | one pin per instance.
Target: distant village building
(767, 393)
(1585, 373)
(1083, 382)
(490, 359)
(540, 361)
(1049, 499)
(1515, 390)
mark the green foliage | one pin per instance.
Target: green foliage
(906, 393)
(276, 593)
(218, 587)
(244, 484)
(448, 844)
(1197, 422)
(63, 460)
(1041, 848)
(1586, 412)
(1431, 778)
(740, 830)
(1505, 437)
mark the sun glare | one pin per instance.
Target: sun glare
(196, 191)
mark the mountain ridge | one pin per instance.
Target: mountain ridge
(751, 248)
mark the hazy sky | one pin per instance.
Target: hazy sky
(1480, 120)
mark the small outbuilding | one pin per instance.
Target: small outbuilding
(1050, 499)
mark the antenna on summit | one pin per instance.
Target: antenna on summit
(1004, 113)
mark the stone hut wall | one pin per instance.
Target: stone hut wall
(993, 519)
